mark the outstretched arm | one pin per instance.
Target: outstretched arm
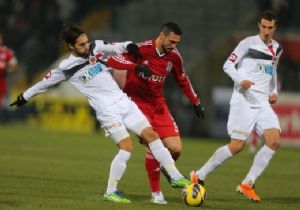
(52, 78)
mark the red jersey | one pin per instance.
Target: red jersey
(150, 89)
(6, 55)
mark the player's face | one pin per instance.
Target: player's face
(169, 42)
(82, 46)
(266, 29)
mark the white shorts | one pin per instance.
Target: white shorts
(243, 120)
(121, 115)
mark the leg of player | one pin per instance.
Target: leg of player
(153, 171)
(118, 165)
(218, 158)
(163, 156)
(153, 168)
(174, 145)
(261, 161)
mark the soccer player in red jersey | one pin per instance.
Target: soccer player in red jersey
(161, 56)
(8, 63)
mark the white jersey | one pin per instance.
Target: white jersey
(92, 79)
(253, 60)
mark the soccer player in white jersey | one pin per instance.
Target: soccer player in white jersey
(252, 66)
(114, 110)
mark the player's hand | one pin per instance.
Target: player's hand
(246, 84)
(133, 49)
(273, 98)
(19, 102)
(199, 110)
(144, 70)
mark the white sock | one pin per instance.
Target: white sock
(163, 156)
(261, 161)
(117, 169)
(220, 155)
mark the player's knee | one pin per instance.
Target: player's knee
(149, 135)
(175, 154)
(236, 146)
(126, 145)
(274, 145)
(272, 139)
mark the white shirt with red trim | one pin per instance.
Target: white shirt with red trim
(253, 60)
(93, 80)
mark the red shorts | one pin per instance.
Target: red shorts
(160, 118)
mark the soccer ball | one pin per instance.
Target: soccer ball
(194, 195)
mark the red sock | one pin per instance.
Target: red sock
(153, 171)
(254, 139)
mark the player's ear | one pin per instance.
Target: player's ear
(258, 24)
(161, 35)
(71, 47)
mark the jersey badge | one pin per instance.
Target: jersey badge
(92, 59)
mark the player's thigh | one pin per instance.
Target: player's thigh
(268, 126)
(164, 123)
(241, 122)
(135, 120)
(173, 143)
(111, 121)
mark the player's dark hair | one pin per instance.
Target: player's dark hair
(169, 27)
(71, 32)
(268, 15)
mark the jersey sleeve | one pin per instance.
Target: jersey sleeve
(52, 78)
(121, 62)
(183, 81)
(234, 58)
(110, 49)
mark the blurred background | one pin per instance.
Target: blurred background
(212, 28)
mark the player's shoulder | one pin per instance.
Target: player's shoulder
(69, 62)
(275, 42)
(250, 40)
(277, 46)
(175, 54)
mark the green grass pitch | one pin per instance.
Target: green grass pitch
(45, 170)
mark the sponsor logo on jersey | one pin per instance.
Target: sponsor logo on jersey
(90, 74)
(267, 69)
(153, 78)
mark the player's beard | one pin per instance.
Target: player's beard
(82, 54)
(166, 50)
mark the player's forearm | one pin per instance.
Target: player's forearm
(52, 78)
(231, 71)
(186, 86)
(120, 63)
(34, 90)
